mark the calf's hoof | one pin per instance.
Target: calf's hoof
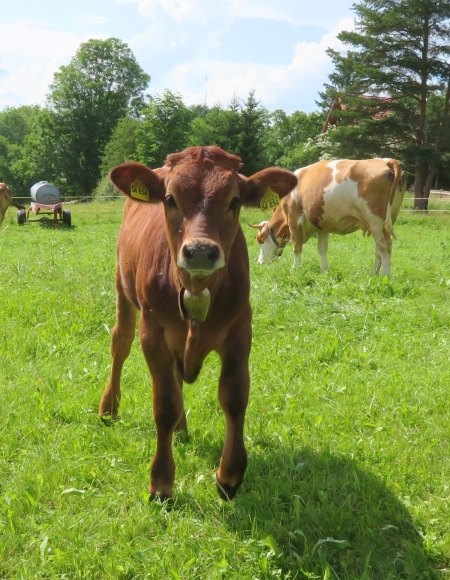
(108, 419)
(226, 491)
(161, 498)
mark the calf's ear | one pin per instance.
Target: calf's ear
(265, 188)
(138, 182)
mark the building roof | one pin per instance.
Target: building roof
(340, 105)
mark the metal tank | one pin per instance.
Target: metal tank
(45, 193)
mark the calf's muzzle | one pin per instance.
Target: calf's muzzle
(200, 257)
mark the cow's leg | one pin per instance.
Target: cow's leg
(383, 243)
(168, 409)
(234, 387)
(297, 239)
(322, 247)
(121, 341)
(377, 264)
(386, 256)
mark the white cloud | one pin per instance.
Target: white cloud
(33, 53)
(309, 67)
(266, 9)
(177, 9)
(92, 19)
(179, 43)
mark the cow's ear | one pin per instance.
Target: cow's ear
(265, 188)
(139, 182)
(258, 226)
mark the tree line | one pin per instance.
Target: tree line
(387, 96)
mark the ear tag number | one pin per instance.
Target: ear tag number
(269, 200)
(139, 191)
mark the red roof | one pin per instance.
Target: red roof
(339, 105)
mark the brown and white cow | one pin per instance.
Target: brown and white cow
(6, 201)
(183, 264)
(337, 197)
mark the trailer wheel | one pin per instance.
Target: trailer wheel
(66, 217)
(21, 217)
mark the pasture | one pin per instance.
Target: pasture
(347, 428)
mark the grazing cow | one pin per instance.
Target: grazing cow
(337, 197)
(183, 263)
(6, 201)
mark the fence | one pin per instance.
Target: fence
(436, 196)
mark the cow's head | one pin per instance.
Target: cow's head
(273, 235)
(202, 193)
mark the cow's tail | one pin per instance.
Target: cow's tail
(18, 205)
(395, 196)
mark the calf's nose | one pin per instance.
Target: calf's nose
(201, 256)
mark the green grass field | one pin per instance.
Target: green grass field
(347, 430)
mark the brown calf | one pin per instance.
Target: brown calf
(183, 263)
(6, 201)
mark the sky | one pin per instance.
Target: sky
(208, 51)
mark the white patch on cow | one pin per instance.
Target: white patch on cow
(295, 193)
(268, 249)
(344, 209)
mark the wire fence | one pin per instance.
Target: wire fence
(436, 196)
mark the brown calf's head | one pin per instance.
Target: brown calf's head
(202, 193)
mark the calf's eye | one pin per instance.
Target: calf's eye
(170, 202)
(235, 204)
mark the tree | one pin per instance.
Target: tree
(123, 144)
(164, 129)
(253, 126)
(218, 127)
(120, 148)
(102, 83)
(239, 129)
(16, 124)
(289, 138)
(399, 49)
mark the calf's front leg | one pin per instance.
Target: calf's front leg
(234, 388)
(121, 340)
(168, 408)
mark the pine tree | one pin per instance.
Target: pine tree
(397, 60)
(254, 121)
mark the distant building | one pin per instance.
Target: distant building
(340, 105)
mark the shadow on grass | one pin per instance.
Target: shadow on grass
(323, 516)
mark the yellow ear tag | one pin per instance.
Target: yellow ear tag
(139, 191)
(269, 200)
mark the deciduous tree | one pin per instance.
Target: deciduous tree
(164, 129)
(101, 84)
